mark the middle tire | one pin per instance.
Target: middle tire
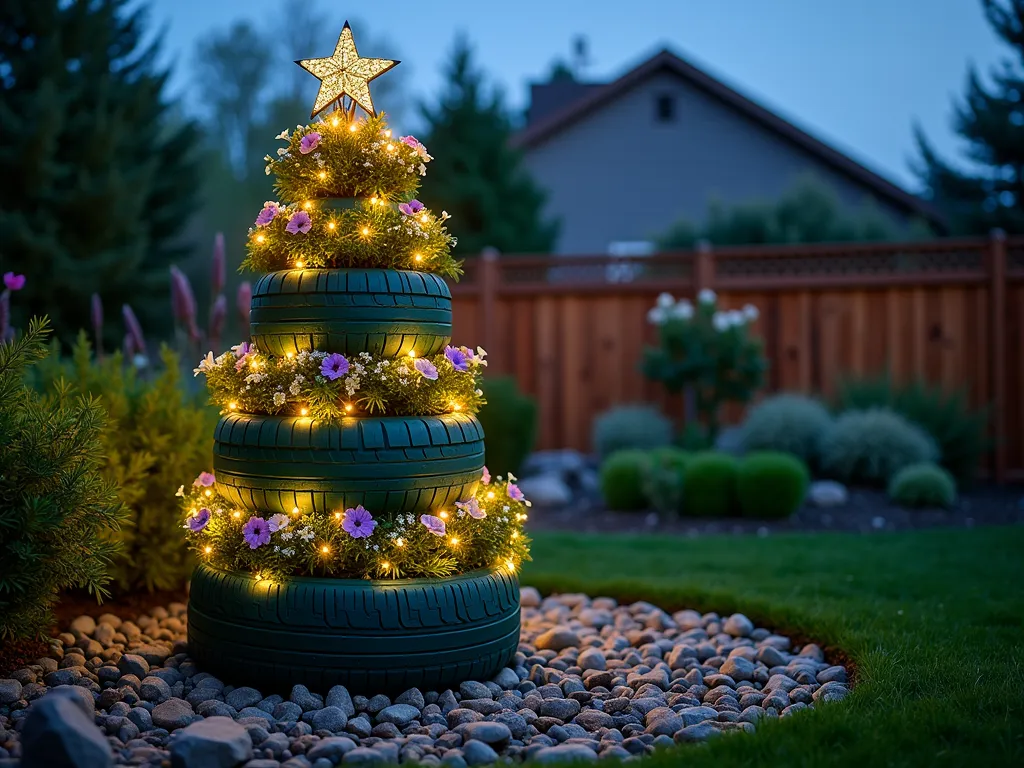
(388, 464)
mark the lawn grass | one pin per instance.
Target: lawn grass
(933, 622)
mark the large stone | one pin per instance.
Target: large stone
(738, 625)
(80, 695)
(243, 697)
(547, 490)
(58, 734)
(173, 714)
(592, 658)
(564, 753)
(557, 639)
(133, 664)
(333, 748)
(339, 697)
(399, 714)
(562, 709)
(216, 742)
(329, 719)
(478, 753)
(154, 689)
(494, 733)
(827, 493)
(10, 691)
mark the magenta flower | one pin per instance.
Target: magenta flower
(472, 507)
(411, 208)
(256, 532)
(268, 214)
(334, 366)
(426, 368)
(514, 493)
(199, 520)
(134, 329)
(299, 222)
(433, 524)
(205, 480)
(412, 141)
(309, 142)
(358, 523)
(14, 282)
(458, 358)
(485, 477)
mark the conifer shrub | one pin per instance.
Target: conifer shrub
(57, 510)
(622, 480)
(923, 485)
(771, 485)
(630, 426)
(709, 485)
(869, 447)
(509, 419)
(787, 423)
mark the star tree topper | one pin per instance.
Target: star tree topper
(345, 73)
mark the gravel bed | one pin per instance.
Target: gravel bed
(592, 678)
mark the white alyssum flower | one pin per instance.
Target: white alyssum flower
(750, 312)
(665, 300)
(720, 321)
(735, 318)
(707, 296)
(683, 310)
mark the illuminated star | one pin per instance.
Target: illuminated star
(345, 74)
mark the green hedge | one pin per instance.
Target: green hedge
(622, 480)
(709, 485)
(771, 485)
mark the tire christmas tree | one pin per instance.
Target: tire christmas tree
(350, 533)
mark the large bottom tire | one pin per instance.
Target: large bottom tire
(370, 636)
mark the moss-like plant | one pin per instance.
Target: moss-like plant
(709, 485)
(923, 485)
(622, 480)
(771, 485)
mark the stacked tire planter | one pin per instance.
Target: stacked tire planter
(372, 636)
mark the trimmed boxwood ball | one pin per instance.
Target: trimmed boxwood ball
(869, 447)
(788, 423)
(923, 485)
(770, 484)
(622, 480)
(630, 426)
(709, 485)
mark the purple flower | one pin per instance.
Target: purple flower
(458, 358)
(14, 282)
(256, 532)
(334, 366)
(433, 524)
(278, 523)
(514, 493)
(243, 349)
(485, 477)
(199, 520)
(358, 523)
(417, 147)
(426, 368)
(268, 214)
(411, 208)
(205, 480)
(299, 222)
(472, 507)
(309, 142)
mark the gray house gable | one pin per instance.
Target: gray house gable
(622, 162)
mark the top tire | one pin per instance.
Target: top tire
(385, 312)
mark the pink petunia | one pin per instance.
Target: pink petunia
(472, 507)
(514, 493)
(309, 142)
(268, 214)
(485, 476)
(205, 480)
(433, 524)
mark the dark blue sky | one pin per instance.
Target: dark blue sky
(856, 74)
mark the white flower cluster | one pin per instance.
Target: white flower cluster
(667, 308)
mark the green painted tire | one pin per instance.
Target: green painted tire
(387, 464)
(386, 312)
(371, 636)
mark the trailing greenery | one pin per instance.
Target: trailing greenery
(771, 485)
(630, 426)
(709, 485)
(790, 423)
(249, 381)
(156, 432)
(509, 419)
(663, 479)
(923, 485)
(485, 531)
(959, 431)
(622, 480)
(56, 509)
(372, 234)
(870, 446)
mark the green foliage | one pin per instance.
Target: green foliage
(923, 485)
(56, 508)
(99, 172)
(157, 434)
(870, 446)
(694, 437)
(960, 432)
(987, 119)
(790, 423)
(622, 480)
(663, 479)
(771, 485)
(509, 419)
(711, 352)
(709, 485)
(630, 426)
(478, 175)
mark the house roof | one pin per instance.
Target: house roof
(553, 122)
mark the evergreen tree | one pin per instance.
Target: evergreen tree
(991, 120)
(477, 175)
(97, 173)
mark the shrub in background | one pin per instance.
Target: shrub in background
(663, 479)
(56, 508)
(923, 485)
(693, 437)
(157, 437)
(630, 426)
(788, 423)
(622, 480)
(959, 431)
(871, 446)
(709, 485)
(771, 485)
(509, 420)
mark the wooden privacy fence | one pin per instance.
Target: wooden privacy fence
(571, 329)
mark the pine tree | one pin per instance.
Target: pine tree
(477, 176)
(98, 173)
(991, 120)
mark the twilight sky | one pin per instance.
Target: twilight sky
(855, 74)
